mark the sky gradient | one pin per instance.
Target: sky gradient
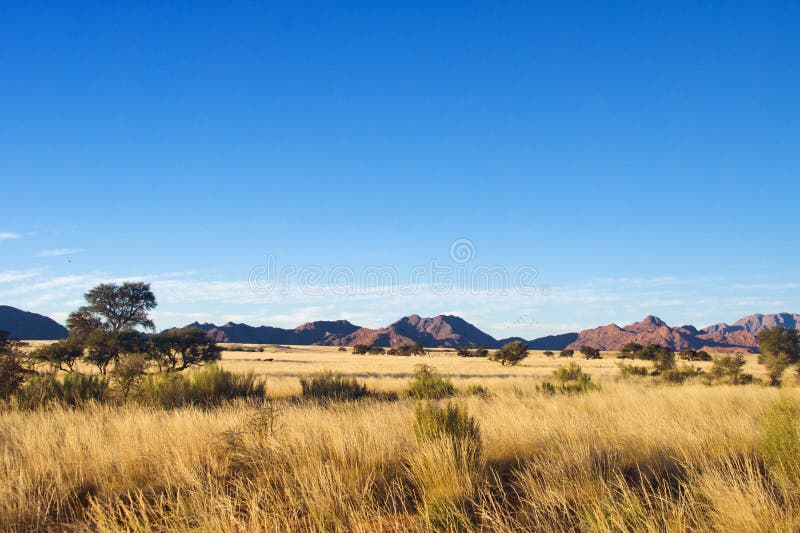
(642, 159)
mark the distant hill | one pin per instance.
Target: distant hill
(320, 332)
(30, 326)
(740, 336)
(448, 331)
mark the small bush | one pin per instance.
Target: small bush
(210, 386)
(626, 370)
(342, 349)
(360, 349)
(333, 386)
(693, 355)
(568, 379)
(478, 390)
(452, 421)
(377, 350)
(73, 390)
(591, 353)
(429, 385)
(478, 351)
(727, 369)
(780, 438)
(677, 375)
(566, 353)
(630, 350)
(548, 353)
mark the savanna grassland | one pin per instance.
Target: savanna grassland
(634, 454)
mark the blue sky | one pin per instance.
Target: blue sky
(643, 159)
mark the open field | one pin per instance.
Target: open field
(388, 373)
(635, 455)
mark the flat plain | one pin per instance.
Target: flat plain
(635, 455)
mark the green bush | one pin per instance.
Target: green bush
(566, 353)
(360, 349)
(73, 390)
(727, 369)
(590, 353)
(677, 375)
(207, 387)
(330, 386)
(548, 353)
(693, 355)
(630, 350)
(568, 379)
(429, 385)
(451, 421)
(626, 370)
(780, 438)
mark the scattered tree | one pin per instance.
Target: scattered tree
(178, 349)
(548, 353)
(360, 349)
(60, 355)
(14, 368)
(566, 353)
(511, 354)
(780, 347)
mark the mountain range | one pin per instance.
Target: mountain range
(449, 331)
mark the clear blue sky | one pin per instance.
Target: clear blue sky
(644, 159)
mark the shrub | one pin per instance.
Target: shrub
(692, 355)
(73, 390)
(511, 354)
(376, 350)
(654, 352)
(591, 353)
(663, 358)
(429, 385)
(207, 387)
(332, 386)
(630, 350)
(452, 421)
(342, 349)
(360, 349)
(566, 353)
(631, 370)
(780, 438)
(478, 351)
(728, 369)
(568, 379)
(476, 389)
(548, 353)
(677, 375)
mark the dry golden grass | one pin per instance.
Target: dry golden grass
(633, 456)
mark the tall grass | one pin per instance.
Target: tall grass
(635, 456)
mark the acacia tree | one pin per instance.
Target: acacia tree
(60, 355)
(780, 347)
(115, 307)
(511, 354)
(106, 327)
(178, 349)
